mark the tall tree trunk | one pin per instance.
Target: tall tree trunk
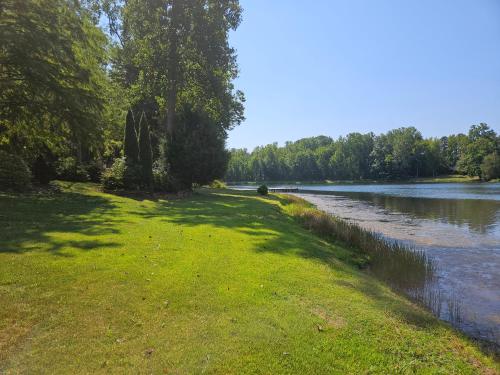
(171, 103)
(173, 64)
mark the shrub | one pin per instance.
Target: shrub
(132, 178)
(14, 173)
(122, 175)
(93, 170)
(161, 180)
(263, 190)
(218, 184)
(113, 177)
(68, 169)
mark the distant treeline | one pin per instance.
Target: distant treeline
(398, 154)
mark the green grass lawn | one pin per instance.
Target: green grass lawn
(219, 282)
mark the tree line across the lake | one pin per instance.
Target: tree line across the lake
(398, 154)
(136, 93)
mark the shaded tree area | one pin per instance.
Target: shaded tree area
(398, 154)
(58, 107)
(70, 71)
(173, 60)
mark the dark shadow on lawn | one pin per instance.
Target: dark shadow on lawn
(26, 222)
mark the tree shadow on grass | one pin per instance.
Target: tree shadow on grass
(247, 213)
(28, 222)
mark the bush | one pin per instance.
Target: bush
(93, 170)
(263, 190)
(68, 169)
(14, 173)
(122, 175)
(132, 178)
(218, 184)
(161, 180)
(113, 177)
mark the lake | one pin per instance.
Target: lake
(457, 225)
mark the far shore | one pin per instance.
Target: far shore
(419, 180)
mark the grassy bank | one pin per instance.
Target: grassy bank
(219, 282)
(402, 267)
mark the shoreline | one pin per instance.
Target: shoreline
(395, 229)
(425, 180)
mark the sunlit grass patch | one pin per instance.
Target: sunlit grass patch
(217, 282)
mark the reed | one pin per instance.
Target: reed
(454, 307)
(401, 266)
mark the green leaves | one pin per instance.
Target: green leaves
(177, 53)
(482, 141)
(399, 153)
(52, 75)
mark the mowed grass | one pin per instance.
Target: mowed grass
(219, 282)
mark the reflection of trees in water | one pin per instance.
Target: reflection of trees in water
(479, 215)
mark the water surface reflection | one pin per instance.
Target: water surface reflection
(480, 216)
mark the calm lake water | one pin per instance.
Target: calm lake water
(458, 225)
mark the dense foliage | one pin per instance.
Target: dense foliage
(399, 153)
(197, 150)
(490, 167)
(70, 71)
(262, 190)
(113, 178)
(14, 173)
(175, 64)
(54, 89)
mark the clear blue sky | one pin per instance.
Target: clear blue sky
(332, 67)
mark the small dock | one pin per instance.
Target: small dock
(283, 190)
